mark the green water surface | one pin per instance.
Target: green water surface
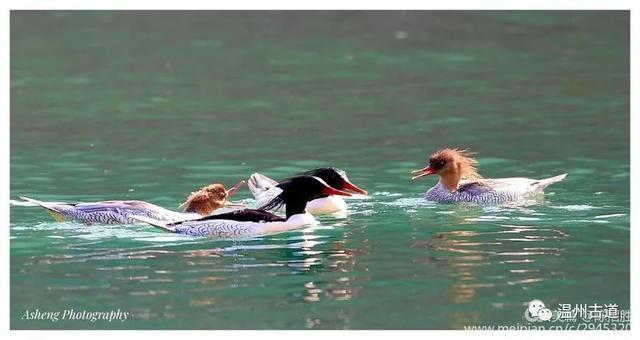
(153, 105)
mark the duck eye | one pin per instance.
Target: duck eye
(438, 164)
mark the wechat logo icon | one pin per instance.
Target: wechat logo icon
(537, 312)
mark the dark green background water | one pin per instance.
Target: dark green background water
(152, 105)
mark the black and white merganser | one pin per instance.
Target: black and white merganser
(244, 223)
(200, 203)
(460, 181)
(264, 189)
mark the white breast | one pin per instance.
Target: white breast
(326, 205)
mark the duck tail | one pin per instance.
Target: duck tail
(543, 183)
(52, 208)
(48, 206)
(258, 183)
(155, 223)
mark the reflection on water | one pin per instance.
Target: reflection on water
(482, 251)
(303, 249)
(483, 261)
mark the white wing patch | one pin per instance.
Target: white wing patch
(267, 196)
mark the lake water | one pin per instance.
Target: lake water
(153, 105)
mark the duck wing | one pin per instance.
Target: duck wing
(259, 183)
(243, 215)
(113, 206)
(263, 188)
(475, 188)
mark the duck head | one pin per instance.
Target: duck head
(336, 178)
(298, 191)
(209, 198)
(451, 165)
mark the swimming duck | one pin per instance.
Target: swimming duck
(294, 193)
(460, 181)
(264, 189)
(200, 203)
